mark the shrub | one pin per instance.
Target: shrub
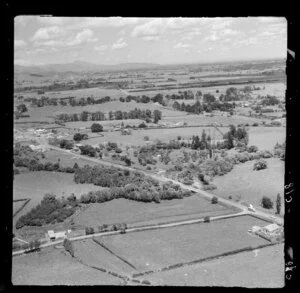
(255, 124)
(260, 165)
(146, 282)
(96, 127)
(266, 203)
(142, 125)
(209, 187)
(214, 200)
(89, 230)
(146, 138)
(252, 149)
(68, 245)
(118, 150)
(206, 219)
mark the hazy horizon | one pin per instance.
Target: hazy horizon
(162, 41)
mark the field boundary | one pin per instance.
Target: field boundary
(27, 200)
(228, 253)
(114, 254)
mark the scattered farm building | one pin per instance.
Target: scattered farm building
(51, 235)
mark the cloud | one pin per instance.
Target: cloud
(272, 19)
(230, 32)
(85, 36)
(46, 33)
(100, 48)
(181, 45)
(213, 37)
(50, 20)
(151, 28)
(151, 38)
(19, 43)
(119, 44)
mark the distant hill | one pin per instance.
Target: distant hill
(78, 67)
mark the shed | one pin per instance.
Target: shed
(51, 234)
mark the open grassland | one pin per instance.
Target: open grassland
(253, 185)
(265, 138)
(138, 213)
(275, 88)
(17, 205)
(66, 159)
(263, 268)
(91, 253)
(194, 119)
(164, 135)
(56, 267)
(156, 249)
(78, 93)
(34, 185)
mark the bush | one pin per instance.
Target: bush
(68, 245)
(255, 124)
(206, 219)
(266, 203)
(214, 200)
(252, 149)
(260, 165)
(96, 127)
(142, 125)
(146, 138)
(89, 230)
(118, 150)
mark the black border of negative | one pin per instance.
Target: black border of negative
(292, 16)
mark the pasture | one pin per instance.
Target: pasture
(265, 138)
(135, 213)
(35, 184)
(263, 268)
(53, 266)
(252, 185)
(159, 248)
(93, 254)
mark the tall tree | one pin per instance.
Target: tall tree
(278, 204)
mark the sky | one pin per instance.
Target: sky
(42, 40)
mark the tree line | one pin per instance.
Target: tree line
(136, 113)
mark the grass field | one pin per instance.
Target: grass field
(265, 138)
(93, 254)
(56, 267)
(35, 184)
(263, 268)
(155, 249)
(66, 159)
(252, 185)
(139, 213)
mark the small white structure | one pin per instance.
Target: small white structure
(271, 228)
(51, 235)
(254, 229)
(251, 208)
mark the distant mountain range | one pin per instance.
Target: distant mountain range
(79, 67)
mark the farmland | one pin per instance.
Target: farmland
(263, 268)
(182, 244)
(150, 170)
(252, 185)
(138, 213)
(55, 267)
(34, 185)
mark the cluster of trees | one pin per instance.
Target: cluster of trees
(96, 127)
(260, 165)
(203, 143)
(279, 151)
(198, 108)
(80, 136)
(269, 100)
(136, 113)
(185, 95)
(124, 184)
(235, 135)
(144, 99)
(50, 210)
(32, 246)
(72, 101)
